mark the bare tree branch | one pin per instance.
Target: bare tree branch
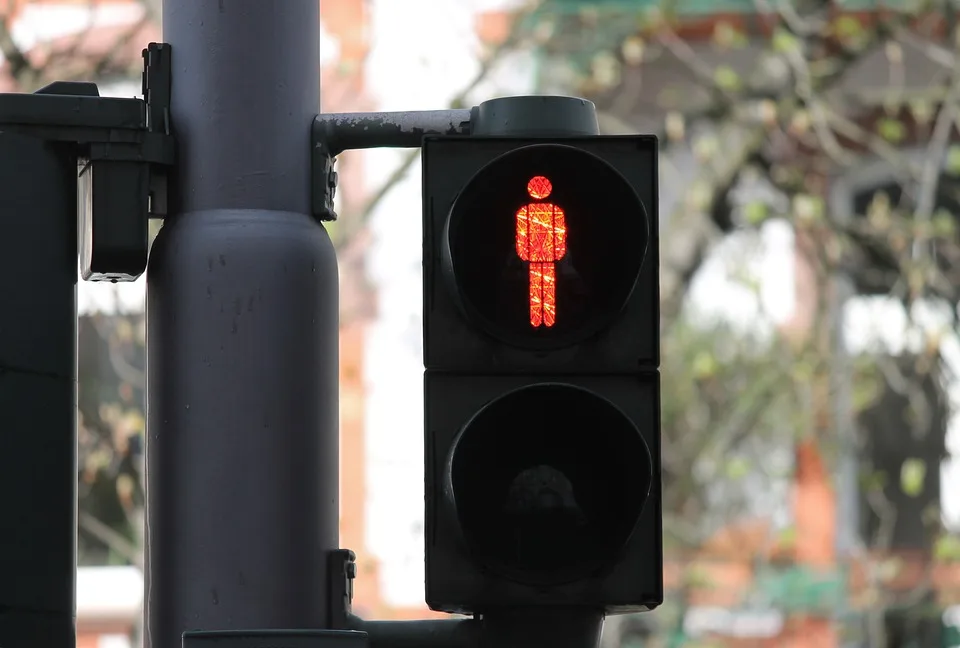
(22, 71)
(936, 152)
(115, 541)
(514, 38)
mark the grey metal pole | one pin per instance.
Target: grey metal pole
(242, 312)
(38, 393)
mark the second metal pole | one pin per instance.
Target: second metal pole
(242, 322)
(38, 394)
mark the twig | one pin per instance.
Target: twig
(798, 24)
(804, 89)
(116, 541)
(125, 371)
(513, 39)
(933, 160)
(21, 69)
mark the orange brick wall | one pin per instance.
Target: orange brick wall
(88, 640)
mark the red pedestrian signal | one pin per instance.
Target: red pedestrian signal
(545, 244)
(542, 241)
(541, 385)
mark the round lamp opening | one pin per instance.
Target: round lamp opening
(548, 483)
(544, 245)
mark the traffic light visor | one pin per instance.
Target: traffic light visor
(544, 245)
(548, 483)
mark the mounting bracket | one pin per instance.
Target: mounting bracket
(123, 147)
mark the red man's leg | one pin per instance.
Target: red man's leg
(549, 273)
(536, 293)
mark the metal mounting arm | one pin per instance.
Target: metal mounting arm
(334, 133)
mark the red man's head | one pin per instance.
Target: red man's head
(539, 187)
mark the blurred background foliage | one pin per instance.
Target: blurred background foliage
(111, 438)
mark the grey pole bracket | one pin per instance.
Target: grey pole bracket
(334, 133)
(123, 148)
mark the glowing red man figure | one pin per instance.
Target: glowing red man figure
(542, 241)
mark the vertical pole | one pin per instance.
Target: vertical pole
(38, 393)
(242, 325)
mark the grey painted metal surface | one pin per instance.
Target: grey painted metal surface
(535, 116)
(277, 638)
(242, 452)
(38, 394)
(245, 93)
(345, 131)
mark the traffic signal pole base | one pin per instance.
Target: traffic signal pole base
(242, 448)
(275, 639)
(243, 335)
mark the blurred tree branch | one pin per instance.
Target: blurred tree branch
(513, 41)
(852, 91)
(349, 234)
(117, 542)
(61, 63)
(694, 227)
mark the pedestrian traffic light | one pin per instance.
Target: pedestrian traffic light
(541, 351)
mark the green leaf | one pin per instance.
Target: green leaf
(706, 147)
(944, 224)
(947, 548)
(755, 212)
(891, 129)
(866, 390)
(808, 208)
(697, 576)
(784, 42)
(705, 365)
(787, 537)
(632, 50)
(727, 35)
(803, 371)
(736, 468)
(727, 78)
(889, 569)
(873, 481)
(847, 27)
(953, 160)
(921, 109)
(912, 475)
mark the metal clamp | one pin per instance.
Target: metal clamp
(343, 571)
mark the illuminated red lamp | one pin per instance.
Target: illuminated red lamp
(541, 241)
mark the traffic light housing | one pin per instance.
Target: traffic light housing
(541, 355)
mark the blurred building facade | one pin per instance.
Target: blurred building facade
(797, 592)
